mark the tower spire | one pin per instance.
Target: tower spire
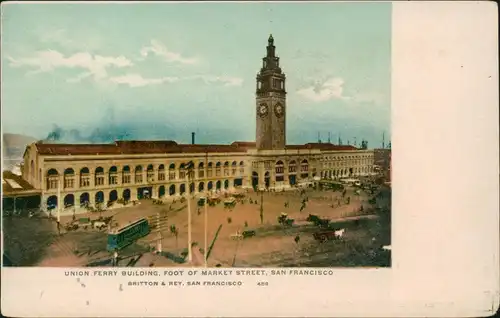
(271, 49)
(271, 101)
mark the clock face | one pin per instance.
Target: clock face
(278, 109)
(262, 109)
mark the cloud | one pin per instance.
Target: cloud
(94, 65)
(226, 80)
(322, 92)
(158, 49)
(136, 80)
(80, 41)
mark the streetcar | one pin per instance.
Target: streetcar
(128, 234)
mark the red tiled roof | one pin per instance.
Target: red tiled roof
(188, 148)
(12, 183)
(132, 147)
(164, 146)
(246, 144)
(330, 146)
(77, 149)
(322, 146)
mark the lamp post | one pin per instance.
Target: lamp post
(206, 211)
(262, 162)
(261, 206)
(189, 171)
(59, 206)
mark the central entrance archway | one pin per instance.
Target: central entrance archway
(267, 179)
(144, 193)
(126, 195)
(161, 191)
(113, 196)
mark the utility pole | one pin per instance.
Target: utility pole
(261, 206)
(262, 162)
(59, 206)
(205, 250)
(189, 170)
(160, 238)
(158, 223)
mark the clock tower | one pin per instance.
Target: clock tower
(271, 102)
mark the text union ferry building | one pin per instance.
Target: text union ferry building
(77, 174)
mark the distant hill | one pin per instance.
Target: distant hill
(16, 140)
(13, 145)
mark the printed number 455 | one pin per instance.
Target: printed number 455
(262, 283)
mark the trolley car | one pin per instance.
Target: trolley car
(128, 234)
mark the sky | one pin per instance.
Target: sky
(162, 70)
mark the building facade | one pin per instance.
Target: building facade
(78, 175)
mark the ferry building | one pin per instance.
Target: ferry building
(76, 175)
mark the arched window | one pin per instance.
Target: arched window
(52, 179)
(210, 169)
(217, 169)
(113, 175)
(126, 175)
(161, 172)
(171, 171)
(201, 170)
(99, 176)
(138, 174)
(84, 177)
(69, 178)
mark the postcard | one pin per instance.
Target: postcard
(235, 159)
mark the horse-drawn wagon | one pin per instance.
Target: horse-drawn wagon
(242, 235)
(324, 236)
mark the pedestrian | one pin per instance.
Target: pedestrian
(115, 258)
(297, 239)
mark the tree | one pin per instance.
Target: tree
(262, 207)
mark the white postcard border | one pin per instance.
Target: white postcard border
(445, 197)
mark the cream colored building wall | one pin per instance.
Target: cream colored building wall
(61, 164)
(316, 163)
(32, 165)
(339, 163)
